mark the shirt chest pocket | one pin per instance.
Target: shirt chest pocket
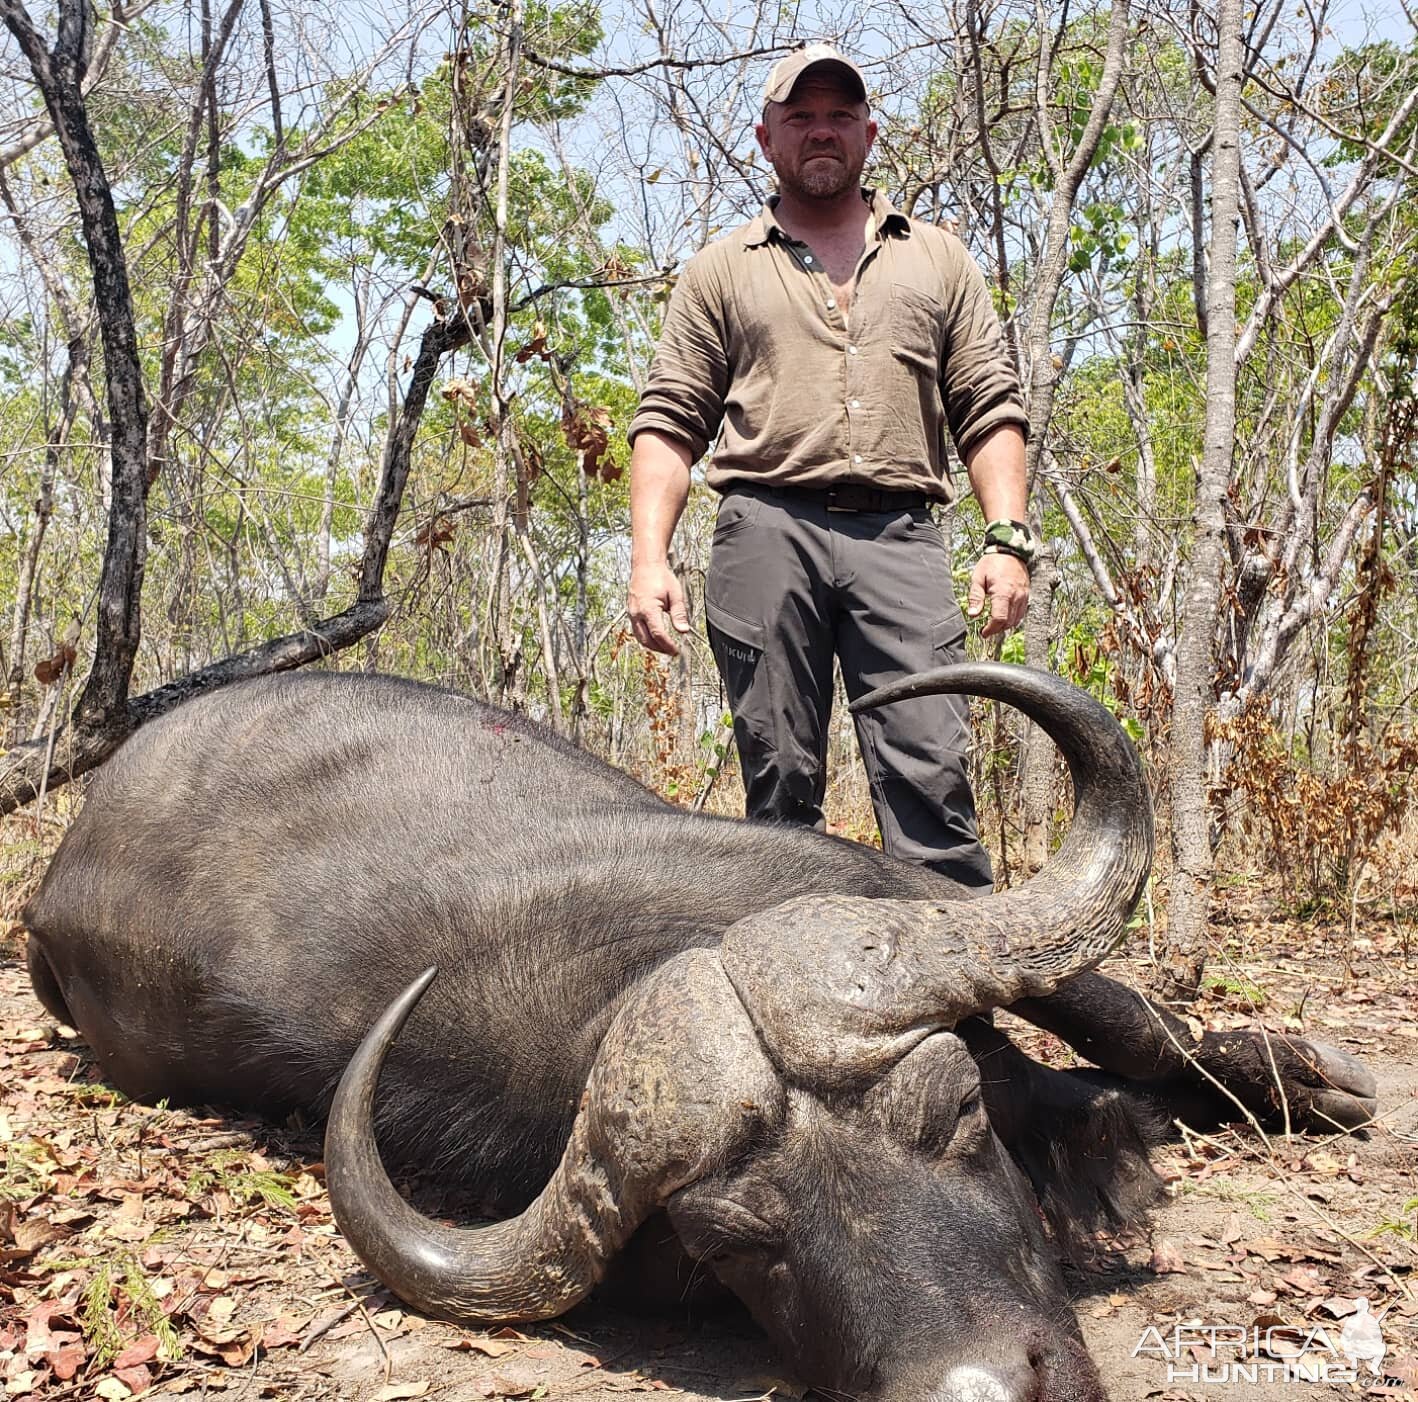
(917, 329)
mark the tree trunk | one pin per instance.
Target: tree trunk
(1043, 371)
(60, 75)
(1183, 956)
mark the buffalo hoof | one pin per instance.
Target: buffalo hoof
(1340, 1092)
(1317, 1089)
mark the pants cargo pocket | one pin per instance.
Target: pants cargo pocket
(738, 649)
(948, 640)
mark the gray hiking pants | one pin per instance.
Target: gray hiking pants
(790, 583)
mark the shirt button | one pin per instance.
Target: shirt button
(855, 404)
(851, 350)
(857, 457)
(807, 257)
(831, 302)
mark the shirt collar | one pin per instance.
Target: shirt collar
(885, 219)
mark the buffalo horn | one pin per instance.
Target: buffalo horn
(842, 987)
(678, 1081)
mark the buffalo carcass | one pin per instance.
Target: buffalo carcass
(767, 1035)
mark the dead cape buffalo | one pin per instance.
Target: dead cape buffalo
(757, 1050)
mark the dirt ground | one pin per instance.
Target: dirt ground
(147, 1252)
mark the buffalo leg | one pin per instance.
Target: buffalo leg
(1201, 1080)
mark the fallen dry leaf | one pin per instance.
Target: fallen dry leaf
(1167, 1259)
(40, 1336)
(137, 1380)
(394, 1392)
(142, 1350)
(516, 1383)
(284, 1331)
(64, 1362)
(1304, 1280)
(490, 1348)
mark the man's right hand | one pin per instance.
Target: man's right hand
(655, 592)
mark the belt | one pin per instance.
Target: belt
(844, 496)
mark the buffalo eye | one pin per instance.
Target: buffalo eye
(932, 1102)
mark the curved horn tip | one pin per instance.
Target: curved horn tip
(409, 998)
(391, 1021)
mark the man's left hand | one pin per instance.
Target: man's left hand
(1004, 581)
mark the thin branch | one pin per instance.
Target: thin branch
(664, 61)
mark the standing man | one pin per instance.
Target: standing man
(828, 344)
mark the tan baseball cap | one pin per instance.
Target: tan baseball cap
(787, 71)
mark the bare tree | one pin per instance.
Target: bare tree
(1191, 839)
(104, 713)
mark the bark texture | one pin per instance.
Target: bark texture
(1183, 956)
(1043, 376)
(59, 73)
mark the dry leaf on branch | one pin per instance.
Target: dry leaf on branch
(587, 430)
(460, 390)
(436, 532)
(536, 346)
(52, 668)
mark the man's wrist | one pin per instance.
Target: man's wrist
(1006, 537)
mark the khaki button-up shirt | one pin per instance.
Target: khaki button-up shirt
(756, 351)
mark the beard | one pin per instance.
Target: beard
(821, 179)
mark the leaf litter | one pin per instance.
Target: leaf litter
(149, 1252)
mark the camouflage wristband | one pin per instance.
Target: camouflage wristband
(1011, 538)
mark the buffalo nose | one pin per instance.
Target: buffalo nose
(975, 1382)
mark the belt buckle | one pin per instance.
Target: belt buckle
(849, 498)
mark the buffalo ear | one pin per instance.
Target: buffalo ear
(1085, 1146)
(1081, 1138)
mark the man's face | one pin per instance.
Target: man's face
(819, 139)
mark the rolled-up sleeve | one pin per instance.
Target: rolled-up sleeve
(979, 385)
(689, 376)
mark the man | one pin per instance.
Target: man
(828, 344)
